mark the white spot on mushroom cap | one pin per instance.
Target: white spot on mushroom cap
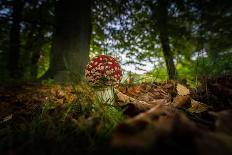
(108, 72)
(87, 72)
(103, 67)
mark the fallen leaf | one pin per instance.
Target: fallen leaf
(124, 98)
(182, 90)
(197, 107)
(135, 90)
(181, 101)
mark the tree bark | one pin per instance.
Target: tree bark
(162, 21)
(70, 52)
(14, 44)
(168, 56)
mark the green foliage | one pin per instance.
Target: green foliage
(214, 66)
(192, 70)
(192, 26)
(110, 116)
(129, 29)
(202, 67)
(35, 35)
(43, 62)
(157, 75)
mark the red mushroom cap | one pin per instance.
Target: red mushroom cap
(103, 70)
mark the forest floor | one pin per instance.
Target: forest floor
(147, 118)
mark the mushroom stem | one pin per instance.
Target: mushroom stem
(105, 95)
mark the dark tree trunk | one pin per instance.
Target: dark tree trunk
(168, 56)
(14, 45)
(70, 52)
(162, 21)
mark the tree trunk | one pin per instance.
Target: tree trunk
(168, 56)
(14, 45)
(162, 21)
(70, 52)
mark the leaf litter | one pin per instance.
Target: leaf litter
(158, 117)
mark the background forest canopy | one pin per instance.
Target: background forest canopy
(184, 39)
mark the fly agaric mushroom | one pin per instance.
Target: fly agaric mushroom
(103, 73)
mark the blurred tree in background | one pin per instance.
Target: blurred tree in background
(71, 39)
(25, 38)
(181, 38)
(188, 27)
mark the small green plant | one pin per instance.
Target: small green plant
(82, 126)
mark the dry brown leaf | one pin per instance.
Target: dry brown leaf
(142, 106)
(197, 107)
(139, 105)
(124, 98)
(135, 90)
(160, 101)
(147, 128)
(182, 90)
(146, 97)
(139, 135)
(181, 101)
